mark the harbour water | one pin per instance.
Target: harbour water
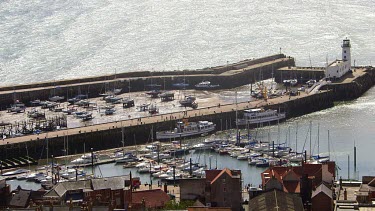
(348, 123)
(44, 40)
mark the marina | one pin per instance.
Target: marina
(199, 105)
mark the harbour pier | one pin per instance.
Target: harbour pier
(138, 130)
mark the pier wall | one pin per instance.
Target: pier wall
(127, 75)
(355, 89)
(302, 74)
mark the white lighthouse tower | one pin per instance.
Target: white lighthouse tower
(338, 68)
(346, 52)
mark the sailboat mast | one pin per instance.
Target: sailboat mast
(296, 137)
(237, 135)
(47, 147)
(329, 150)
(122, 136)
(318, 138)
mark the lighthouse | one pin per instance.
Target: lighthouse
(338, 68)
(346, 52)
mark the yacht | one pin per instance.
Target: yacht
(185, 129)
(259, 115)
(85, 159)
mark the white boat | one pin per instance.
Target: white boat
(259, 115)
(15, 172)
(242, 157)
(290, 82)
(71, 173)
(185, 129)
(206, 85)
(85, 159)
(127, 158)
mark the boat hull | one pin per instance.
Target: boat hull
(170, 134)
(243, 122)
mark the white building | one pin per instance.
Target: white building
(339, 68)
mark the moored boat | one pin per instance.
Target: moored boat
(206, 85)
(185, 129)
(258, 115)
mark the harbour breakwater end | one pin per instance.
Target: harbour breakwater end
(227, 76)
(138, 131)
(350, 89)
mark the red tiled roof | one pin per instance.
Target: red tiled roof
(211, 174)
(314, 171)
(292, 187)
(221, 173)
(153, 198)
(372, 183)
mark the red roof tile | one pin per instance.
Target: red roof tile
(211, 174)
(153, 198)
(221, 173)
(292, 187)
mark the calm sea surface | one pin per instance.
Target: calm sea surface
(50, 40)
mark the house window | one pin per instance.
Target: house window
(344, 51)
(344, 57)
(224, 190)
(224, 200)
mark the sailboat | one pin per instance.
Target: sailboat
(128, 102)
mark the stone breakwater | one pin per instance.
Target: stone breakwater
(228, 76)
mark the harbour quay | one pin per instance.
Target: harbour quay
(139, 130)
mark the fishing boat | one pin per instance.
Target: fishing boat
(259, 115)
(206, 85)
(189, 101)
(185, 129)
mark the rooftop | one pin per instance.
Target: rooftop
(276, 200)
